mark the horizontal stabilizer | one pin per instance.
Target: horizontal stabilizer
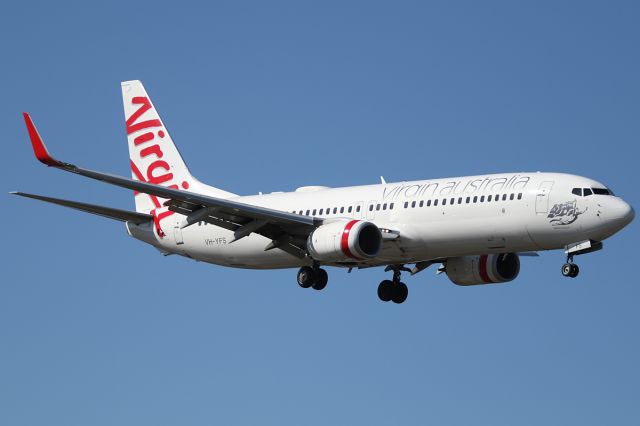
(111, 213)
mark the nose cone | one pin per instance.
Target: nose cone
(621, 212)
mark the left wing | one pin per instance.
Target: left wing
(109, 212)
(287, 231)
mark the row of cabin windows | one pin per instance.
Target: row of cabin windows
(421, 203)
(321, 212)
(467, 200)
(350, 209)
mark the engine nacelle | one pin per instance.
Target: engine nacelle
(345, 241)
(484, 269)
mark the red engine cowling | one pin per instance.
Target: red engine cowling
(484, 269)
(345, 241)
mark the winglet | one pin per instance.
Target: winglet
(38, 146)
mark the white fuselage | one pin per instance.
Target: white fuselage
(500, 213)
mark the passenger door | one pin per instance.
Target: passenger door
(542, 198)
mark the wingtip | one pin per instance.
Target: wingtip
(39, 148)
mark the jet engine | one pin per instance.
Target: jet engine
(345, 241)
(484, 269)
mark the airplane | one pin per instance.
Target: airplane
(475, 227)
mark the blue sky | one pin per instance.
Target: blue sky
(96, 328)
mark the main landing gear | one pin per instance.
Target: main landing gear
(570, 269)
(393, 290)
(314, 277)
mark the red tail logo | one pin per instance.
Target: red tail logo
(158, 171)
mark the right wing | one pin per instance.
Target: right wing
(287, 231)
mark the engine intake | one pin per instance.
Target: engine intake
(345, 241)
(483, 269)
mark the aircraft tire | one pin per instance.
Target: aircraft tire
(575, 270)
(385, 290)
(306, 277)
(400, 293)
(322, 278)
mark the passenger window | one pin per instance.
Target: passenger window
(350, 209)
(341, 209)
(587, 192)
(475, 199)
(520, 196)
(391, 206)
(444, 201)
(482, 199)
(377, 206)
(300, 212)
(358, 208)
(452, 201)
(413, 204)
(307, 213)
(512, 196)
(428, 203)
(371, 207)
(577, 191)
(489, 198)
(320, 213)
(421, 203)
(335, 210)
(460, 200)
(314, 212)
(497, 197)
(504, 197)
(384, 206)
(406, 204)
(468, 199)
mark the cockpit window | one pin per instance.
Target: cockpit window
(602, 191)
(585, 192)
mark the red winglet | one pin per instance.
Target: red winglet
(38, 146)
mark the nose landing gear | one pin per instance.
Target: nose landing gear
(394, 290)
(570, 269)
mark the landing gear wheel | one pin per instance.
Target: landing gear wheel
(570, 270)
(321, 279)
(400, 293)
(574, 270)
(385, 290)
(306, 277)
